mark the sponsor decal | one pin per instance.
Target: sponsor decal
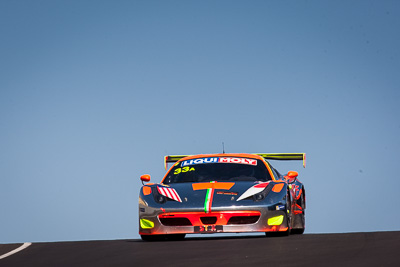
(227, 193)
(280, 207)
(219, 160)
(199, 161)
(239, 160)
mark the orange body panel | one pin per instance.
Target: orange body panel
(277, 188)
(146, 190)
(216, 185)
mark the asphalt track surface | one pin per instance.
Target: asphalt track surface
(350, 249)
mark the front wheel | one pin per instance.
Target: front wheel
(288, 217)
(300, 219)
(288, 214)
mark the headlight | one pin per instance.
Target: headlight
(258, 197)
(263, 194)
(158, 197)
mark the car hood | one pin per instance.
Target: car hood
(215, 195)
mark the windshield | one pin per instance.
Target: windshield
(218, 169)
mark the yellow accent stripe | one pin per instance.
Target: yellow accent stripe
(173, 158)
(278, 220)
(284, 156)
(146, 224)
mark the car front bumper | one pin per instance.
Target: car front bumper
(224, 221)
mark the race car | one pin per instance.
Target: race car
(222, 193)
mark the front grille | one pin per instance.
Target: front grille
(175, 221)
(208, 220)
(243, 219)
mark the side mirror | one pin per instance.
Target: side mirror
(291, 176)
(145, 178)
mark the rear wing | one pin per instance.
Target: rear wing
(273, 156)
(173, 159)
(285, 156)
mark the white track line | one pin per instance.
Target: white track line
(25, 245)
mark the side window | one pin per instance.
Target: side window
(276, 173)
(279, 175)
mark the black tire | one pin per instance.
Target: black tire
(299, 231)
(288, 216)
(301, 217)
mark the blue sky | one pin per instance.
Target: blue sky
(94, 93)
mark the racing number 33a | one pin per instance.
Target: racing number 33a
(184, 169)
